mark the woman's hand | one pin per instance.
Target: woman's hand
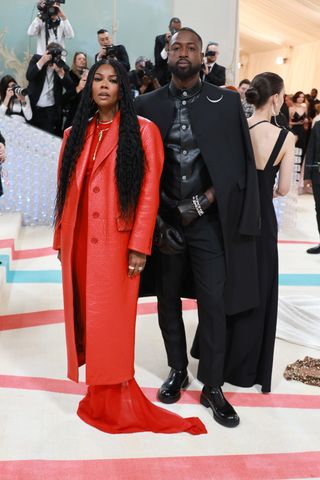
(2, 153)
(136, 263)
(9, 95)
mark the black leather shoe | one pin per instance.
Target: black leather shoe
(314, 249)
(170, 390)
(223, 412)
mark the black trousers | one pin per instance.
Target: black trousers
(46, 118)
(205, 254)
(316, 196)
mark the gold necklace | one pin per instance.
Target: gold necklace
(100, 135)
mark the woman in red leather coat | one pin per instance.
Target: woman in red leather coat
(107, 200)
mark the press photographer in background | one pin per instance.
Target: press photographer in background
(71, 98)
(14, 100)
(108, 50)
(211, 71)
(161, 45)
(142, 79)
(48, 76)
(50, 25)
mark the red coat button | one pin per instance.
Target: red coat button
(96, 189)
(94, 240)
(96, 214)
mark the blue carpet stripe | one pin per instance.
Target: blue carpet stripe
(29, 276)
(54, 276)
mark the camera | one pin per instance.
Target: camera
(210, 53)
(48, 9)
(110, 52)
(56, 53)
(17, 90)
(147, 71)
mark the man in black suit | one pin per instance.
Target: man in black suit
(208, 219)
(48, 75)
(107, 49)
(212, 72)
(160, 51)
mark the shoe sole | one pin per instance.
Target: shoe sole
(185, 384)
(205, 402)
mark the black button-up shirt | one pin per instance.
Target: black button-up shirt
(184, 173)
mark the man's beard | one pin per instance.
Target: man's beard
(184, 73)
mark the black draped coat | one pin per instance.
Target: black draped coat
(221, 130)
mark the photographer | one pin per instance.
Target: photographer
(51, 25)
(48, 75)
(160, 51)
(142, 79)
(14, 99)
(211, 71)
(108, 50)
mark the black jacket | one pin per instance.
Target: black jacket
(221, 129)
(161, 66)
(37, 78)
(217, 75)
(1, 141)
(312, 165)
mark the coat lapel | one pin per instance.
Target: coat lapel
(84, 156)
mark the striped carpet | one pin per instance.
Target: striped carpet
(42, 438)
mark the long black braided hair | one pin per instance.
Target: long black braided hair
(130, 165)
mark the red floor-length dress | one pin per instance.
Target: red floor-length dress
(120, 408)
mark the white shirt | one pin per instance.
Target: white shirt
(46, 98)
(17, 108)
(38, 29)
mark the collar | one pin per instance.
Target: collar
(185, 93)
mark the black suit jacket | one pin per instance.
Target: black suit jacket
(122, 56)
(37, 78)
(161, 66)
(221, 129)
(217, 75)
(1, 141)
(311, 169)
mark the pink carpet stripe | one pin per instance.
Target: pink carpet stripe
(297, 242)
(227, 467)
(23, 254)
(189, 397)
(33, 319)
(48, 317)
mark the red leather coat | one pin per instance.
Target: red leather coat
(111, 296)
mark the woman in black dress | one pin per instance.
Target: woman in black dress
(299, 122)
(252, 334)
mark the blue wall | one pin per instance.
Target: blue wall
(138, 22)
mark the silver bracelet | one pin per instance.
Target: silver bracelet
(197, 206)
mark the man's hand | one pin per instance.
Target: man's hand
(193, 208)
(168, 239)
(60, 12)
(60, 71)
(46, 58)
(136, 263)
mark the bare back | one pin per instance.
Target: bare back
(264, 136)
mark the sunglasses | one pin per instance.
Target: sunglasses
(211, 54)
